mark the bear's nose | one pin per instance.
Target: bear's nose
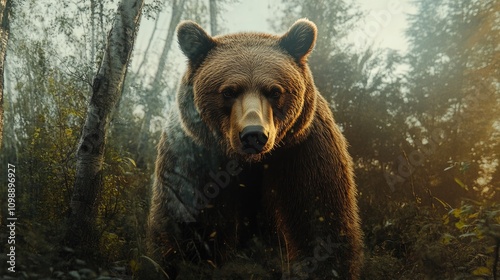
(253, 138)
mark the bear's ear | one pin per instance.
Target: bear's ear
(300, 39)
(195, 43)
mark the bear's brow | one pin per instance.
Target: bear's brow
(248, 39)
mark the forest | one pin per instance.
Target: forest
(423, 127)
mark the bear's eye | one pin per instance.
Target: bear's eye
(274, 93)
(229, 93)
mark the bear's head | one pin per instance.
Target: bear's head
(249, 92)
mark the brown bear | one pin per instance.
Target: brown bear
(251, 149)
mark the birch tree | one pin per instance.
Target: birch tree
(5, 7)
(213, 17)
(106, 92)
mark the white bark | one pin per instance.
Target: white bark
(5, 6)
(106, 92)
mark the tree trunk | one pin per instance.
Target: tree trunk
(93, 31)
(150, 42)
(213, 17)
(177, 10)
(5, 6)
(106, 92)
(151, 106)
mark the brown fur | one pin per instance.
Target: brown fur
(302, 179)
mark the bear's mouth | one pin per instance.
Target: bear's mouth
(251, 144)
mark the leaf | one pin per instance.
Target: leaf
(132, 161)
(461, 184)
(449, 167)
(473, 216)
(446, 219)
(479, 233)
(446, 238)
(482, 271)
(470, 234)
(68, 132)
(211, 263)
(134, 265)
(445, 205)
(460, 225)
(456, 213)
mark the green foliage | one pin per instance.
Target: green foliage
(45, 111)
(475, 225)
(47, 147)
(123, 206)
(413, 242)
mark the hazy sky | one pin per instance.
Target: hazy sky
(386, 21)
(383, 26)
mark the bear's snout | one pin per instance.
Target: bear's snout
(253, 138)
(252, 127)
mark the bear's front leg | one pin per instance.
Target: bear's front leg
(178, 201)
(312, 195)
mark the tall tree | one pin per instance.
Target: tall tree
(453, 82)
(106, 92)
(5, 8)
(213, 17)
(153, 103)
